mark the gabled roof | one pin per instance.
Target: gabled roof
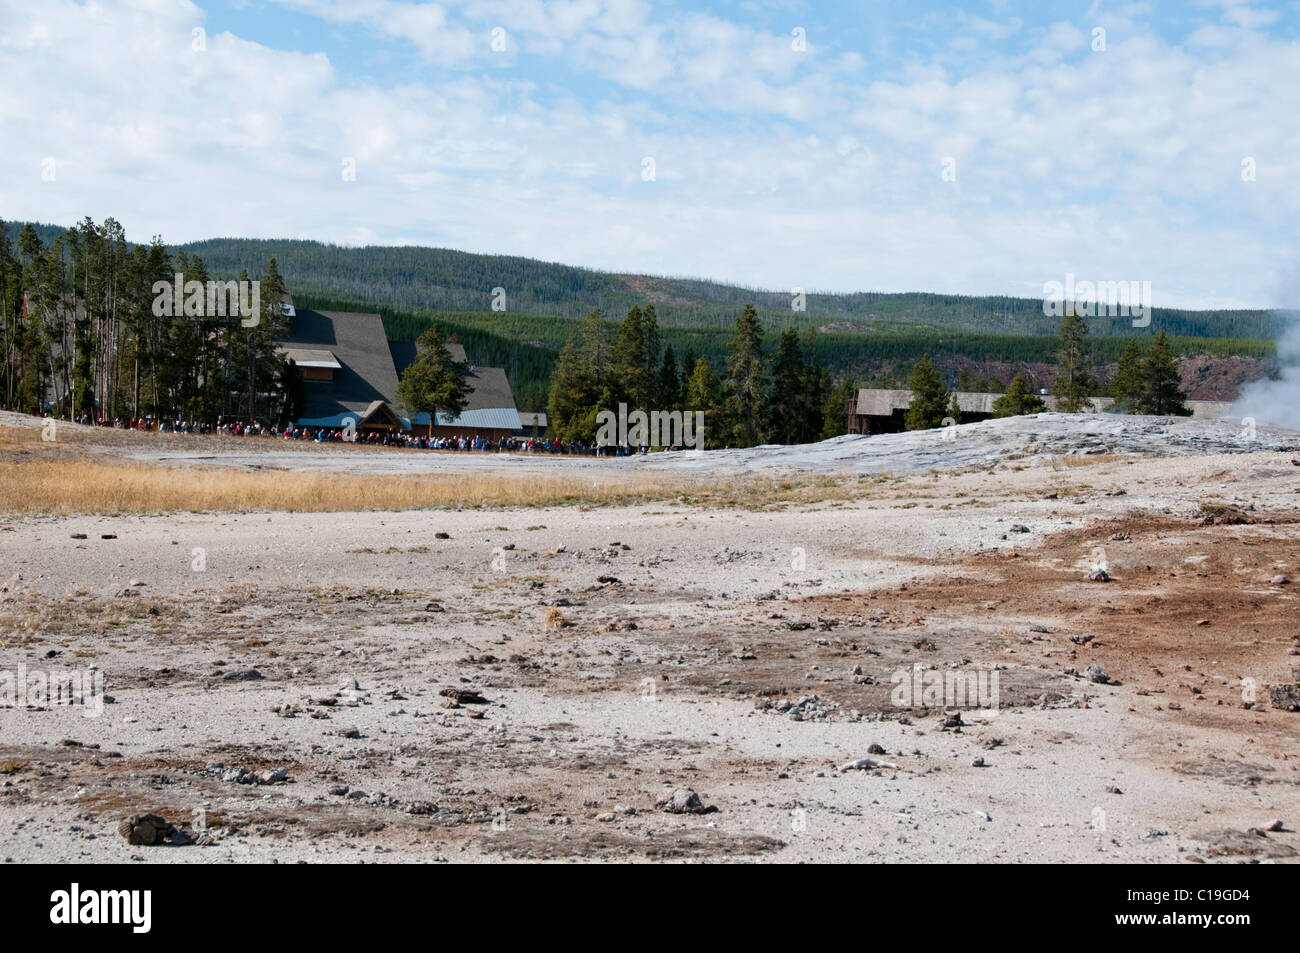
(359, 346)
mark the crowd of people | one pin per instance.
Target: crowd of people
(384, 438)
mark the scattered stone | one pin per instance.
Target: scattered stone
(242, 675)
(682, 801)
(1095, 673)
(338, 790)
(464, 696)
(78, 535)
(1285, 697)
(238, 775)
(867, 764)
(1111, 789)
(1099, 575)
(108, 536)
(150, 830)
(1081, 639)
(1018, 528)
(442, 535)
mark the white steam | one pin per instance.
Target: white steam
(1277, 402)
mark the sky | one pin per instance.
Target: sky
(977, 148)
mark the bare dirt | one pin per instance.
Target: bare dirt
(621, 653)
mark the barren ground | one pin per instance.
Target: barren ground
(625, 652)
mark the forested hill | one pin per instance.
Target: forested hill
(416, 278)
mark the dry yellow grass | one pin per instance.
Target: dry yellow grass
(84, 486)
(1081, 460)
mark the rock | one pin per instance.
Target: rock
(150, 830)
(464, 696)
(242, 675)
(1081, 639)
(682, 801)
(272, 776)
(866, 764)
(1095, 673)
(442, 535)
(1274, 826)
(1279, 580)
(876, 749)
(1018, 528)
(606, 817)
(1099, 575)
(1285, 697)
(78, 535)
(1111, 789)
(608, 580)
(338, 790)
(978, 763)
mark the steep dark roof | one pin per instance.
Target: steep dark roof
(404, 354)
(358, 342)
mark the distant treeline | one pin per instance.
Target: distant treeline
(528, 345)
(408, 278)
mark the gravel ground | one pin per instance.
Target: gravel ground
(624, 653)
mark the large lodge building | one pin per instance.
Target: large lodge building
(350, 370)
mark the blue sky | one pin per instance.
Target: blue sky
(972, 148)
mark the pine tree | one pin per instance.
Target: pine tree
(929, 397)
(812, 397)
(1162, 392)
(1019, 399)
(954, 411)
(434, 382)
(669, 386)
(786, 391)
(1127, 385)
(835, 417)
(1074, 385)
(704, 393)
(745, 385)
(636, 377)
(583, 382)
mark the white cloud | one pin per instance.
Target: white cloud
(1117, 165)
